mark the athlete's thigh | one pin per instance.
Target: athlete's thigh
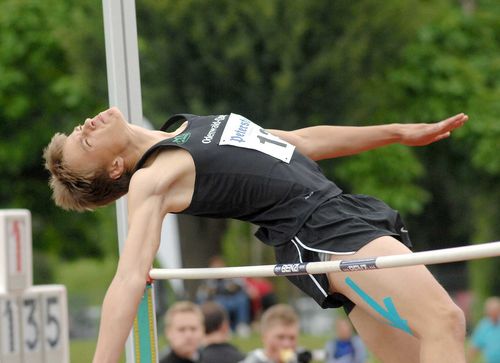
(386, 343)
(399, 294)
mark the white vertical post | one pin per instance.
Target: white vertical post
(124, 83)
(124, 87)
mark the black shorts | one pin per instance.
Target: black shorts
(341, 225)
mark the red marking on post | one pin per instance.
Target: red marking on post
(17, 234)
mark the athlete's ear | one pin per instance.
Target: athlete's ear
(116, 169)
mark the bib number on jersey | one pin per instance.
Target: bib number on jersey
(241, 132)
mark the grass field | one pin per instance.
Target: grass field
(82, 350)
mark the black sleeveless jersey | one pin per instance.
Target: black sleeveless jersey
(243, 172)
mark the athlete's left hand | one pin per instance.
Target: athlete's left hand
(424, 134)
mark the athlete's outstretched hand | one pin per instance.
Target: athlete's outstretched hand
(424, 134)
(326, 141)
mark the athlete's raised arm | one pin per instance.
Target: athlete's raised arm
(119, 308)
(324, 142)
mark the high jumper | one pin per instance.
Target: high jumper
(226, 166)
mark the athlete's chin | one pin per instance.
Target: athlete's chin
(113, 112)
(111, 115)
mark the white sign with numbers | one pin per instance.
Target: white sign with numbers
(15, 250)
(54, 322)
(33, 319)
(241, 132)
(10, 332)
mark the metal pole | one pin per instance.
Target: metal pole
(124, 87)
(491, 249)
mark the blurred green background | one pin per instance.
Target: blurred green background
(284, 64)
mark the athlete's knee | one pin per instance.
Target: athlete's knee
(446, 321)
(455, 321)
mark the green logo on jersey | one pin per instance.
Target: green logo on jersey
(182, 138)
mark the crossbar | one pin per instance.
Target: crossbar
(491, 249)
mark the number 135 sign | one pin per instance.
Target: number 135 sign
(34, 326)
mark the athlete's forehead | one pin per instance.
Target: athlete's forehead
(72, 146)
(75, 154)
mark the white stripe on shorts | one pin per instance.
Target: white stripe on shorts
(311, 276)
(321, 251)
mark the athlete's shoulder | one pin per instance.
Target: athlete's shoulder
(142, 185)
(168, 177)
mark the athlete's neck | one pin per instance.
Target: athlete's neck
(142, 139)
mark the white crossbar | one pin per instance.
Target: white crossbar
(446, 255)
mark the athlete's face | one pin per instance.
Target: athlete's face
(279, 338)
(185, 333)
(96, 142)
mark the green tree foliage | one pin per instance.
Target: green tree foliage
(51, 74)
(454, 65)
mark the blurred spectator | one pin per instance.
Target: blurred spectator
(184, 332)
(346, 347)
(280, 333)
(485, 338)
(261, 294)
(217, 348)
(231, 294)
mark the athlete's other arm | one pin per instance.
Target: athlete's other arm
(324, 142)
(146, 212)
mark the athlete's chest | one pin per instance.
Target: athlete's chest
(235, 132)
